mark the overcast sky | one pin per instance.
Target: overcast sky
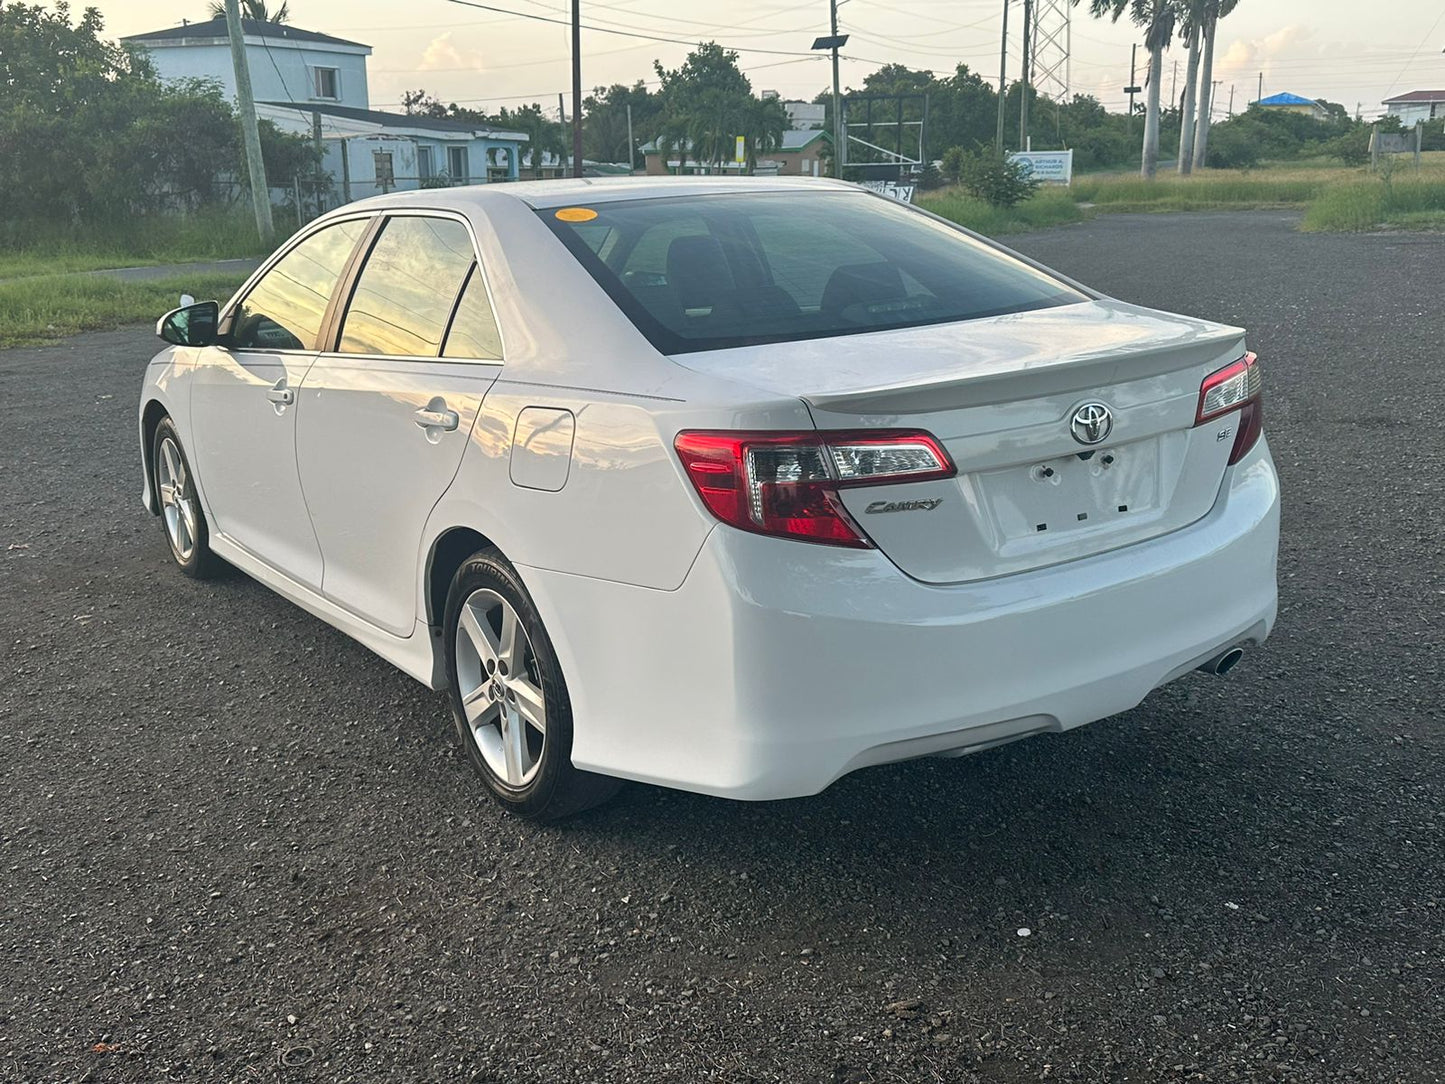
(1336, 49)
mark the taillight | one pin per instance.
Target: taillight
(787, 483)
(1238, 386)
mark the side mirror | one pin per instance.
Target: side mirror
(193, 325)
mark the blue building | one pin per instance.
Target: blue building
(313, 84)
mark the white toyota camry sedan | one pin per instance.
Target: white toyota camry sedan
(722, 484)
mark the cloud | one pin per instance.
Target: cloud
(441, 54)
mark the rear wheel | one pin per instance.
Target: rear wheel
(181, 513)
(508, 697)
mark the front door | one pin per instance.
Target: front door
(385, 417)
(243, 405)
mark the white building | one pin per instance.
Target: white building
(304, 81)
(1418, 105)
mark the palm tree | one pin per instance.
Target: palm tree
(255, 10)
(764, 123)
(1157, 17)
(1192, 15)
(1214, 10)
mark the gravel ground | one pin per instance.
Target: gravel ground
(236, 846)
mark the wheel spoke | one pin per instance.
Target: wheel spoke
(507, 651)
(168, 493)
(478, 705)
(188, 519)
(514, 747)
(480, 634)
(168, 456)
(530, 704)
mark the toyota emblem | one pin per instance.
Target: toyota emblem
(1092, 423)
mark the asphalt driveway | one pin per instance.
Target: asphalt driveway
(236, 846)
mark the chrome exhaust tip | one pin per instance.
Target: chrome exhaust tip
(1224, 662)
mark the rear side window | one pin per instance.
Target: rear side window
(474, 332)
(736, 269)
(407, 288)
(284, 309)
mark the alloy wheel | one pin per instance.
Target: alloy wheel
(500, 687)
(178, 499)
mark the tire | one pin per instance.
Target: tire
(503, 677)
(181, 514)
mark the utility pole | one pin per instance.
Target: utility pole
(631, 146)
(1174, 84)
(840, 133)
(833, 42)
(576, 88)
(1002, 81)
(1024, 75)
(1214, 97)
(1133, 87)
(250, 133)
(1231, 99)
(1260, 96)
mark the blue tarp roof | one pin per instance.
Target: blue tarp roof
(1286, 99)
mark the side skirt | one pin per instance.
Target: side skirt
(414, 655)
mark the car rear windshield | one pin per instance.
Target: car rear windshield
(738, 269)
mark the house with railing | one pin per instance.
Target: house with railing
(314, 84)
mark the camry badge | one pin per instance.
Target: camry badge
(1092, 423)
(922, 505)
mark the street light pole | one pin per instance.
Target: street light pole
(833, 42)
(840, 136)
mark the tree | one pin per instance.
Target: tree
(604, 121)
(1214, 10)
(1157, 19)
(1192, 15)
(708, 102)
(255, 10)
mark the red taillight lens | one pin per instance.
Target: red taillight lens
(1238, 386)
(787, 483)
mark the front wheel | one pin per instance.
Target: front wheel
(513, 716)
(181, 512)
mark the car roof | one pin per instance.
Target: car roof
(564, 191)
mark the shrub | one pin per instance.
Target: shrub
(997, 181)
(1352, 148)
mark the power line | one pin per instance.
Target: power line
(623, 33)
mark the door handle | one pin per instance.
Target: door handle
(283, 396)
(437, 419)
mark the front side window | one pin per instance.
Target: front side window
(285, 308)
(328, 83)
(408, 287)
(736, 269)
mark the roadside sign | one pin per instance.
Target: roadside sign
(1051, 167)
(740, 156)
(903, 193)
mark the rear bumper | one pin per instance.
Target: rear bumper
(779, 666)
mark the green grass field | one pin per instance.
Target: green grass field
(28, 249)
(1334, 198)
(43, 307)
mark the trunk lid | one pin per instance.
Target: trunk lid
(1000, 394)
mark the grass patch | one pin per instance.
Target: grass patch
(44, 307)
(30, 248)
(1047, 207)
(1210, 190)
(1409, 201)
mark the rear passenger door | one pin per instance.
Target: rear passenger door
(386, 410)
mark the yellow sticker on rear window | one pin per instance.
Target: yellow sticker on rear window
(576, 214)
